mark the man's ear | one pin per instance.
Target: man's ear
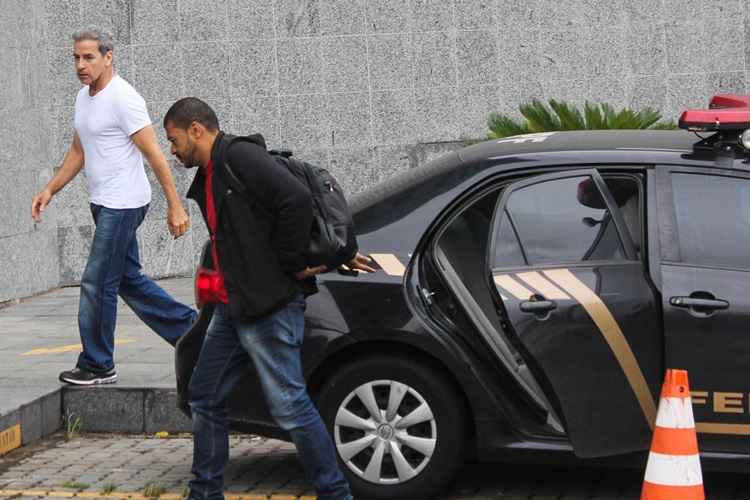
(108, 58)
(194, 131)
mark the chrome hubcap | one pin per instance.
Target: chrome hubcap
(385, 432)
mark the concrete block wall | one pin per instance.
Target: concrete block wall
(29, 259)
(356, 85)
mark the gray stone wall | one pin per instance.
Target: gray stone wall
(357, 85)
(29, 259)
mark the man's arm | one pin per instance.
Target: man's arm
(177, 218)
(71, 165)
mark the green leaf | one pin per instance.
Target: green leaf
(504, 126)
(594, 117)
(539, 117)
(569, 116)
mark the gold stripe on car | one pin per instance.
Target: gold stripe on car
(610, 330)
(513, 287)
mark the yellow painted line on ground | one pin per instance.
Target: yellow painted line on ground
(125, 495)
(67, 348)
(10, 439)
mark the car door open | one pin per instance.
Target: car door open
(575, 297)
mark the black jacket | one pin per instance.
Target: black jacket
(261, 238)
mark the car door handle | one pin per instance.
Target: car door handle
(538, 306)
(695, 303)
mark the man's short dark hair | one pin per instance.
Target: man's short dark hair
(191, 109)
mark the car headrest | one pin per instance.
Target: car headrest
(621, 190)
(588, 195)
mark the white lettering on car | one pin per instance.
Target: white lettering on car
(520, 139)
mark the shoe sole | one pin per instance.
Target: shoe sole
(97, 381)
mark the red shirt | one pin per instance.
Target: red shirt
(221, 293)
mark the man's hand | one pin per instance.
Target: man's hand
(310, 272)
(71, 165)
(360, 263)
(177, 220)
(39, 203)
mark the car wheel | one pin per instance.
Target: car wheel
(399, 427)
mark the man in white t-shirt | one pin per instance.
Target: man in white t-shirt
(113, 134)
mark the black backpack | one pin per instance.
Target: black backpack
(332, 238)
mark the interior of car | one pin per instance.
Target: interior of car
(461, 254)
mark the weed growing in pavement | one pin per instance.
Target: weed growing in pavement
(72, 484)
(73, 425)
(154, 490)
(108, 488)
(185, 492)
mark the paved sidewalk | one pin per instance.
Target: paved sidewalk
(134, 466)
(39, 339)
(130, 467)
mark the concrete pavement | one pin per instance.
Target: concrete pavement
(39, 339)
(135, 466)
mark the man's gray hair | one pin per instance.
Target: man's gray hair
(105, 39)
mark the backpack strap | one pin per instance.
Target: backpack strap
(231, 179)
(228, 175)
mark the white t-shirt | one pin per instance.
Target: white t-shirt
(112, 163)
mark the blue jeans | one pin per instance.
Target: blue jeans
(114, 267)
(273, 345)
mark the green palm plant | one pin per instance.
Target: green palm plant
(560, 115)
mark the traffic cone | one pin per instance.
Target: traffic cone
(674, 468)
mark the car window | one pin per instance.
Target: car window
(713, 219)
(555, 222)
(464, 241)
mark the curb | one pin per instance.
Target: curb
(138, 410)
(31, 422)
(135, 410)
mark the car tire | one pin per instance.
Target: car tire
(400, 458)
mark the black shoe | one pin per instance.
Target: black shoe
(78, 376)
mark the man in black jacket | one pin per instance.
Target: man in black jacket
(259, 254)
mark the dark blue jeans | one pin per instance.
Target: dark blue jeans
(273, 345)
(114, 267)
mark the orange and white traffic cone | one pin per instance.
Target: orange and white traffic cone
(674, 468)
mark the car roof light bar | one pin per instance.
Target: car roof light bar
(728, 115)
(726, 112)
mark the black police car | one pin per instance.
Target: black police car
(531, 293)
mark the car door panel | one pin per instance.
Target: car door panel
(705, 272)
(590, 328)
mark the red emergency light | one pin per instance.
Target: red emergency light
(207, 286)
(726, 112)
